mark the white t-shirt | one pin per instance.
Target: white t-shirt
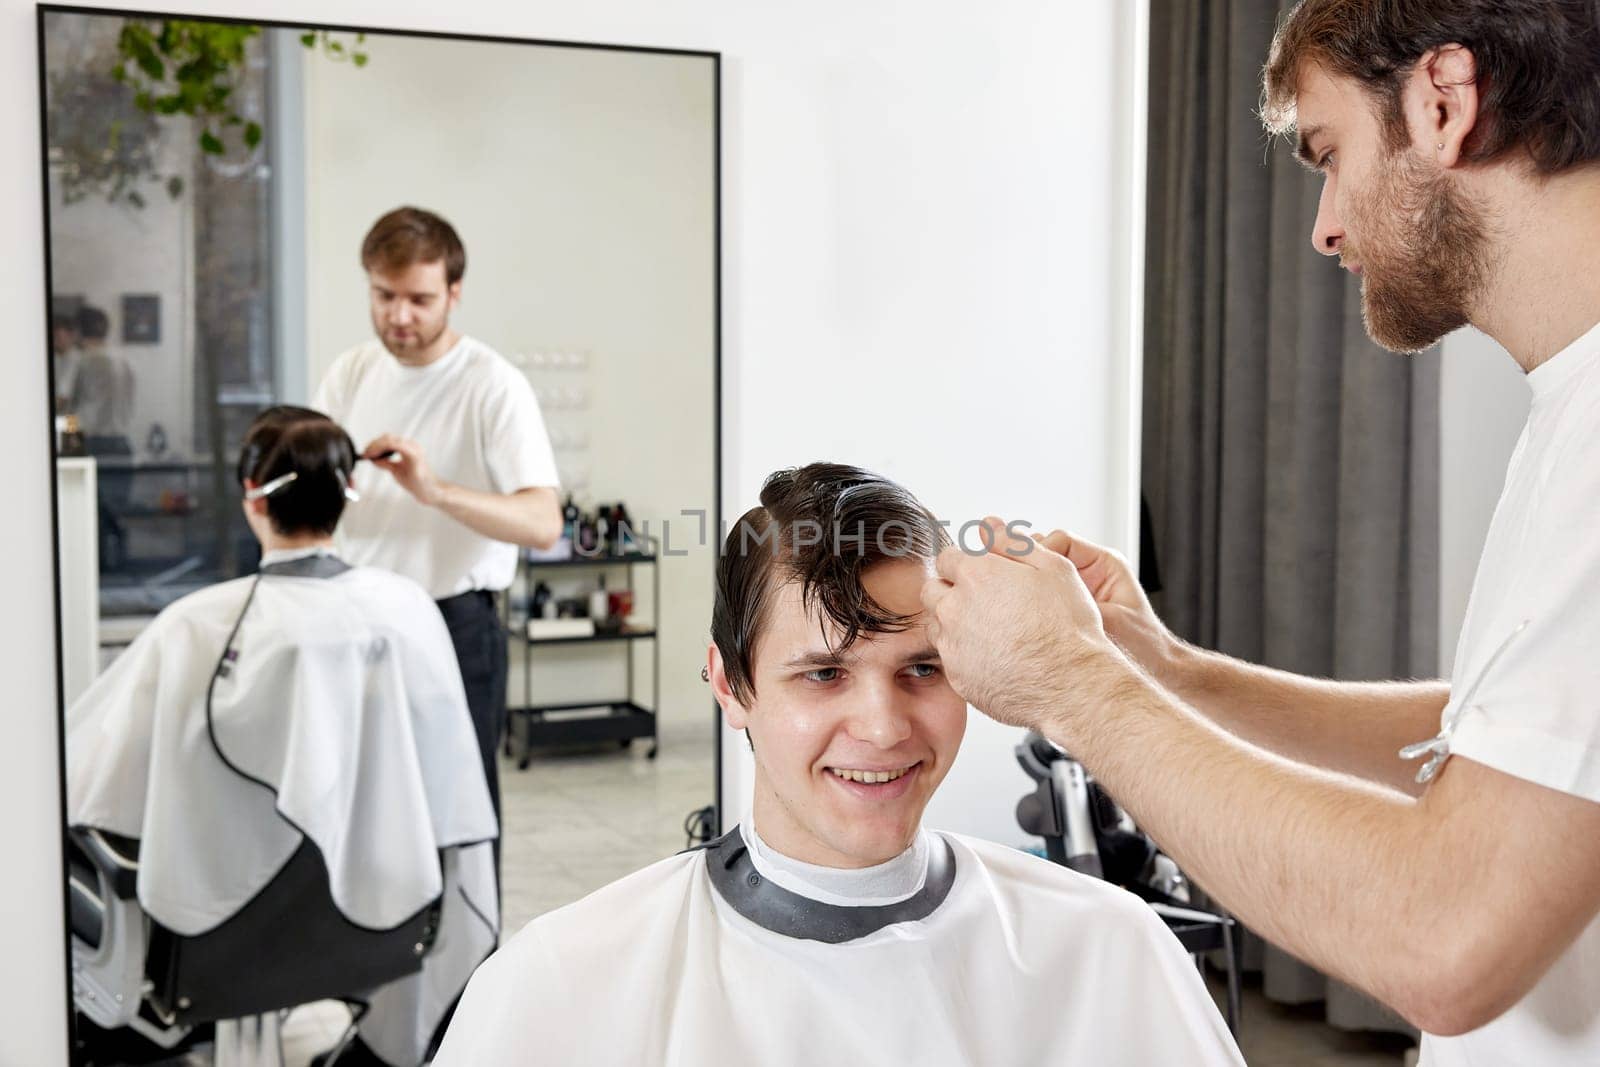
(1535, 713)
(479, 425)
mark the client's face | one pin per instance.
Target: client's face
(850, 747)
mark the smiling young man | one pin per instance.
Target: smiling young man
(1459, 147)
(831, 927)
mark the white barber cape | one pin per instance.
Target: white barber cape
(1023, 962)
(338, 715)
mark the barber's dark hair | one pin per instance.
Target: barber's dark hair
(410, 235)
(1537, 65)
(287, 438)
(822, 525)
(93, 324)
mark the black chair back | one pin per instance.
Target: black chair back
(290, 945)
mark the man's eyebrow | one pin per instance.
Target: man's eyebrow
(1303, 150)
(815, 658)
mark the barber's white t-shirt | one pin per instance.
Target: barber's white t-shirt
(478, 423)
(1536, 711)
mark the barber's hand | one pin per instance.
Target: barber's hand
(1125, 611)
(1020, 636)
(408, 465)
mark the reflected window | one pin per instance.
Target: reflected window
(161, 275)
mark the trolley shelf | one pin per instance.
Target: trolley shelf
(619, 721)
(589, 561)
(605, 720)
(598, 635)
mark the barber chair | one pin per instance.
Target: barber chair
(289, 945)
(1085, 830)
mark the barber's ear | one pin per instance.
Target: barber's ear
(1440, 102)
(453, 296)
(733, 711)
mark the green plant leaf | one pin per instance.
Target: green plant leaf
(359, 58)
(187, 67)
(144, 54)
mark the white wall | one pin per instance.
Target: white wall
(1483, 402)
(33, 987)
(920, 274)
(586, 199)
(928, 280)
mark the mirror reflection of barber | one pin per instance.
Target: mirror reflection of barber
(461, 471)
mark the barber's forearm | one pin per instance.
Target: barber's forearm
(1329, 868)
(530, 518)
(1352, 727)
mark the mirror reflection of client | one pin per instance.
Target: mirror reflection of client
(459, 429)
(834, 928)
(312, 712)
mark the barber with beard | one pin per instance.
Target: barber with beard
(1457, 141)
(461, 471)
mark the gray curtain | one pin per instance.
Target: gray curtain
(1290, 465)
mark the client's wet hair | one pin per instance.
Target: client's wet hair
(823, 526)
(321, 455)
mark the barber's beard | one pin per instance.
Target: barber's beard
(421, 339)
(1423, 256)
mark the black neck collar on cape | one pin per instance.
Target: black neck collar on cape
(772, 907)
(319, 565)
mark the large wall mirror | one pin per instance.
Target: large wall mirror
(285, 786)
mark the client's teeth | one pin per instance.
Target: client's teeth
(868, 777)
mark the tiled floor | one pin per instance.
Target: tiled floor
(575, 821)
(1274, 1035)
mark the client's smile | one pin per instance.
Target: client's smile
(871, 777)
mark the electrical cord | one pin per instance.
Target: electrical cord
(697, 826)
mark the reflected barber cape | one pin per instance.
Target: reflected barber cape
(335, 714)
(995, 957)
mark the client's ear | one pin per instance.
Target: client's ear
(257, 506)
(732, 710)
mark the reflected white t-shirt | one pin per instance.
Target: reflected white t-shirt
(479, 426)
(1535, 713)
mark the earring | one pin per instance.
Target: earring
(705, 674)
(1441, 146)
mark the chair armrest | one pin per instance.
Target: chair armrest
(107, 975)
(115, 857)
